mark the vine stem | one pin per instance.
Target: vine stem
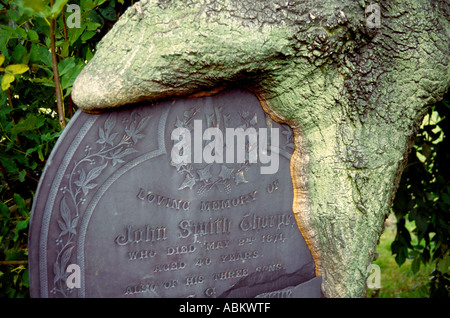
(10, 103)
(88, 157)
(13, 262)
(62, 121)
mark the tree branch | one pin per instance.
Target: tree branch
(13, 262)
(62, 121)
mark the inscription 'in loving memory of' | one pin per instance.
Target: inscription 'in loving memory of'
(215, 205)
(166, 202)
(187, 227)
(134, 235)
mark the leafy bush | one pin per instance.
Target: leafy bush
(424, 198)
(43, 47)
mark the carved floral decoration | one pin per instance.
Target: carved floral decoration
(107, 150)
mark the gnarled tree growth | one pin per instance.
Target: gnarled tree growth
(354, 95)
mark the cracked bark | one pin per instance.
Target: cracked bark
(354, 96)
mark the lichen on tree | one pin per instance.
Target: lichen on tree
(354, 95)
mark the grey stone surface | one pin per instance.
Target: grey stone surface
(113, 202)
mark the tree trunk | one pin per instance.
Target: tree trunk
(353, 87)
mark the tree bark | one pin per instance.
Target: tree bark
(355, 96)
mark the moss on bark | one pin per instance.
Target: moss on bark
(354, 95)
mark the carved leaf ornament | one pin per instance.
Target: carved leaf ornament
(110, 151)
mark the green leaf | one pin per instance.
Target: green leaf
(6, 34)
(89, 55)
(58, 5)
(109, 13)
(400, 252)
(445, 197)
(20, 54)
(19, 201)
(4, 210)
(18, 256)
(40, 54)
(415, 266)
(446, 103)
(64, 49)
(426, 150)
(31, 150)
(16, 235)
(38, 8)
(75, 33)
(87, 4)
(100, 2)
(33, 35)
(25, 278)
(22, 225)
(443, 264)
(400, 258)
(421, 222)
(22, 33)
(87, 35)
(40, 154)
(22, 175)
(94, 17)
(44, 81)
(31, 122)
(9, 164)
(65, 65)
(68, 78)
(7, 80)
(93, 26)
(35, 5)
(17, 68)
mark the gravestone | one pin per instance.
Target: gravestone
(165, 200)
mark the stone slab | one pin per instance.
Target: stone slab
(134, 223)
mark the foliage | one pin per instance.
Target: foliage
(29, 112)
(398, 281)
(424, 198)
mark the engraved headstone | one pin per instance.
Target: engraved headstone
(185, 198)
